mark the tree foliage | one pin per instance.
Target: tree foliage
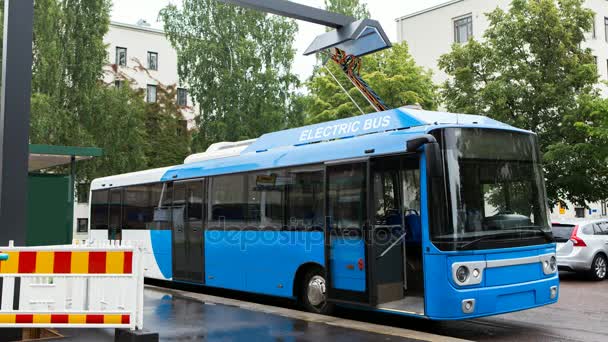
(72, 106)
(353, 8)
(531, 72)
(237, 64)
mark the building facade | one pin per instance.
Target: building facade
(431, 32)
(144, 57)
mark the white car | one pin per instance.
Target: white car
(582, 246)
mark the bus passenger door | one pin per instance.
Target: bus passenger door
(188, 210)
(346, 233)
(396, 262)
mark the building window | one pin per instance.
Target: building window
(121, 56)
(118, 84)
(579, 212)
(151, 93)
(595, 61)
(604, 208)
(152, 60)
(463, 29)
(82, 225)
(593, 34)
(182, 97)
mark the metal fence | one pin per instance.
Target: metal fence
(84, 285)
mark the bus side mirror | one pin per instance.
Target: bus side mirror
(434, 161)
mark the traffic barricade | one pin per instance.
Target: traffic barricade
(84, 285)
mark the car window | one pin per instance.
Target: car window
(562, 232)
(589, 230)
(603, 228)
(597, 229)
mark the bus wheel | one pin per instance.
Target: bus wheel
(314, 292)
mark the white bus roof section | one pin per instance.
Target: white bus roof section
(133, 178)
(220, 150)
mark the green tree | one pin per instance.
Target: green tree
(531, 72)
(237, 64)
(167, 131)
(353, 8)
(119, 116)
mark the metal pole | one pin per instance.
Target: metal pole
(15, 119)
(295, 11)
(72, 199)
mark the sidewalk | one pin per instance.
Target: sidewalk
(181, 316)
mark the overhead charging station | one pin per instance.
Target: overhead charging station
(349, 40)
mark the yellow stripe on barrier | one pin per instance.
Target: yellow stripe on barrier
(7, 318)
(112, 319)
(44, 262)
(41, 318)
(80, 262)
(114, 262)
(77, 319)
(12, 264)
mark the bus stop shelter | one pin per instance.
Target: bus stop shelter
(50, 204)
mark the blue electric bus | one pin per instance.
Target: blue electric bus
(420, 213)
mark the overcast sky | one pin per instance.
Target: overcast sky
(385, 11)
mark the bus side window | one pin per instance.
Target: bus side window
(99, 209)
(162, 202)
(234, 203)
(305, 199)
(347, 198)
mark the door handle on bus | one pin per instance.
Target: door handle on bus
(392, 245)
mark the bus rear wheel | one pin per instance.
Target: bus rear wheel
(313, 293)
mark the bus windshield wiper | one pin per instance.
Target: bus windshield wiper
(545, 233)
(485, 237)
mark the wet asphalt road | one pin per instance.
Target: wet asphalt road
(580, 315)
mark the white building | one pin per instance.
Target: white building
(431, 32)
(143, 56)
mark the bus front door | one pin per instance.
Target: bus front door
(188, 244)
(346, 233)
(396, 256)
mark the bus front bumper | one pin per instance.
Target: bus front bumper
(495, 300)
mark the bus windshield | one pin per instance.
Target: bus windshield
(494, 189)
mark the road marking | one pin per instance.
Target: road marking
(310, 317)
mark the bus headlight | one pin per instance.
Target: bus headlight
(467, 273)
(462, 274)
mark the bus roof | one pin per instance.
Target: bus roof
(366, 135)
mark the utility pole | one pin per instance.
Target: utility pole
(15, 119)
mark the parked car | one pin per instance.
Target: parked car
(582, 246)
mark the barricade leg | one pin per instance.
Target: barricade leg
(128, 335)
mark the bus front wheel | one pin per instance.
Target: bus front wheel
(314, 292)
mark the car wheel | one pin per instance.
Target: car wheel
(598, 267)
(314, 292)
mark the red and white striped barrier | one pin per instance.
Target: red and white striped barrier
(83, 285)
